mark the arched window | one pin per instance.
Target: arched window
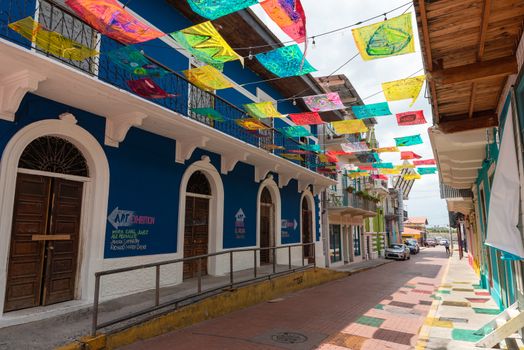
(198, 184)
(54, 154)
(265, 197)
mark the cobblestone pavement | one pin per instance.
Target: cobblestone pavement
(383, 308)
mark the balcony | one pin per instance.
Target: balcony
(380, 187)
(351, 204)
(97, 85)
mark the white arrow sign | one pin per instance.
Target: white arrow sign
(120, 218)
(295, 224)
(240, 216)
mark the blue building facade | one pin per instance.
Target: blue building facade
(148, 180)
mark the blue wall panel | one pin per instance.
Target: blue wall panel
(290, 198)
(240, 193)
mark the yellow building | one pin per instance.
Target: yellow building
(415, 227)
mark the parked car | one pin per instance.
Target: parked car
(397, 251)
(438, 239)
(443, 242)
(413, 246)
(431, 242)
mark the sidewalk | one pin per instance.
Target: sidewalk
(460, 307)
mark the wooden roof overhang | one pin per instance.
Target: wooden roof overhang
(469, 50)
(247, 34)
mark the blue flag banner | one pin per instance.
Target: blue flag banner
(371, 111)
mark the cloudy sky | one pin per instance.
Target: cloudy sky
(333, 50)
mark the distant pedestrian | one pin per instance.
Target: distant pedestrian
(446, 244)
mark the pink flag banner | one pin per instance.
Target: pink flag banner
(351, 147)
(365, 167)
(147, 88)
(405, 155)
(324, 103)
(308, 118)
(411, 118)
(112, 20)
(424, 162)
(289, 15)
(379, 177)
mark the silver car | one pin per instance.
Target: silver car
(398, 251)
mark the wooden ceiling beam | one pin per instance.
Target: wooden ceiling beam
(460, 123)
(499, 67)
(472, 99)
(429, 58)
(484, 28)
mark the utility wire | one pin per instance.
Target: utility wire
(330, 31)
(332, 73)
(378, 92)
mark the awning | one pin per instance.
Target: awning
(503, 215)
(411, 232)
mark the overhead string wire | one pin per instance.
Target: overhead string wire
(330, 31)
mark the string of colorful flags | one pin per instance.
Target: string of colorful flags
(384, 39)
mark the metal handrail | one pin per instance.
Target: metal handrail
(199, 292)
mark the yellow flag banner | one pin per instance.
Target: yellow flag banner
(403, 89)
(205, 43)
(387, 149)
(405, 166)
(51, 42)
(389, 171)
(292, 156)
(262, 110)
(358, 174)
(207, 78)
(409, 177)
(384, 39)
(353, 126)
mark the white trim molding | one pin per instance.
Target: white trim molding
(229, 161)
(117, 126)
(13, 88)
(185, 147)
(95, 197)
(216, 213)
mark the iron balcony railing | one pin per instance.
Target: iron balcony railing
(58, 18)
(350, 200)
(307, 251)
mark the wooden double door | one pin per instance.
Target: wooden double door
(43, 254)
(196, 234)
(307, 232)
(266, 233)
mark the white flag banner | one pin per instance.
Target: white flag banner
(503, 216)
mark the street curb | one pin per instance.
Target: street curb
(350, 273)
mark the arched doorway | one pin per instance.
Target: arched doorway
(196, 230)
(267, 229)
(307, 229)
(45, 231)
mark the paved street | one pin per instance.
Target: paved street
(382, 308)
